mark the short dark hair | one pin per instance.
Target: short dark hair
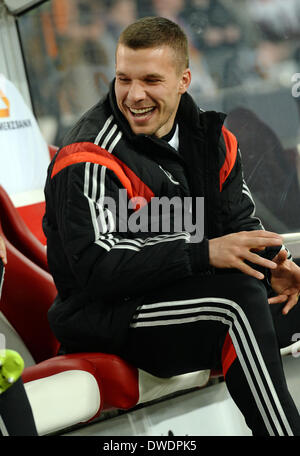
(150, 32)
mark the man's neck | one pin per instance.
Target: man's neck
(171, 133)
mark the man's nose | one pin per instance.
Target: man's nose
(136, 92)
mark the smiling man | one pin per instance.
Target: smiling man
(148, 87)
(164, 303)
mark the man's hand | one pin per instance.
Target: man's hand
(285, 280)
(231, 250)
(3, 251)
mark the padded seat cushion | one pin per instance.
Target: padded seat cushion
(27, 293)
(151, 388)
(69, 389)
(19, 233)
(117, 380)
(64, 399)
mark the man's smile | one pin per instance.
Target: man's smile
(141, 112)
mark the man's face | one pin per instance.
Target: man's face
(148, 88)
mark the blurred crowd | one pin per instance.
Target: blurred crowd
(232, 43)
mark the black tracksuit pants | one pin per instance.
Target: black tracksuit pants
(221, 322)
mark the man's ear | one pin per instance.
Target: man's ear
(185, 81)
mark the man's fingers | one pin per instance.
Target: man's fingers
(281, 256)
(254, 242)
(292, 301)
(278, 299)
(246, 269)
(231, 250)
(257, 249)
(265, 234)
(264, 262)
(261, 242)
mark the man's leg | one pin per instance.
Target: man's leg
(205, 321)
(287, 327)
(16, 418)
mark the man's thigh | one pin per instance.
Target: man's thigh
(182, 327)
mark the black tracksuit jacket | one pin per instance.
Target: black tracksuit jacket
(102, 274)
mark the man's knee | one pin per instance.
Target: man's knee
(242, 291)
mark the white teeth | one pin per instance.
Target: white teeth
(141, 111)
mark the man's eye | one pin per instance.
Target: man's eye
(123, 79)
